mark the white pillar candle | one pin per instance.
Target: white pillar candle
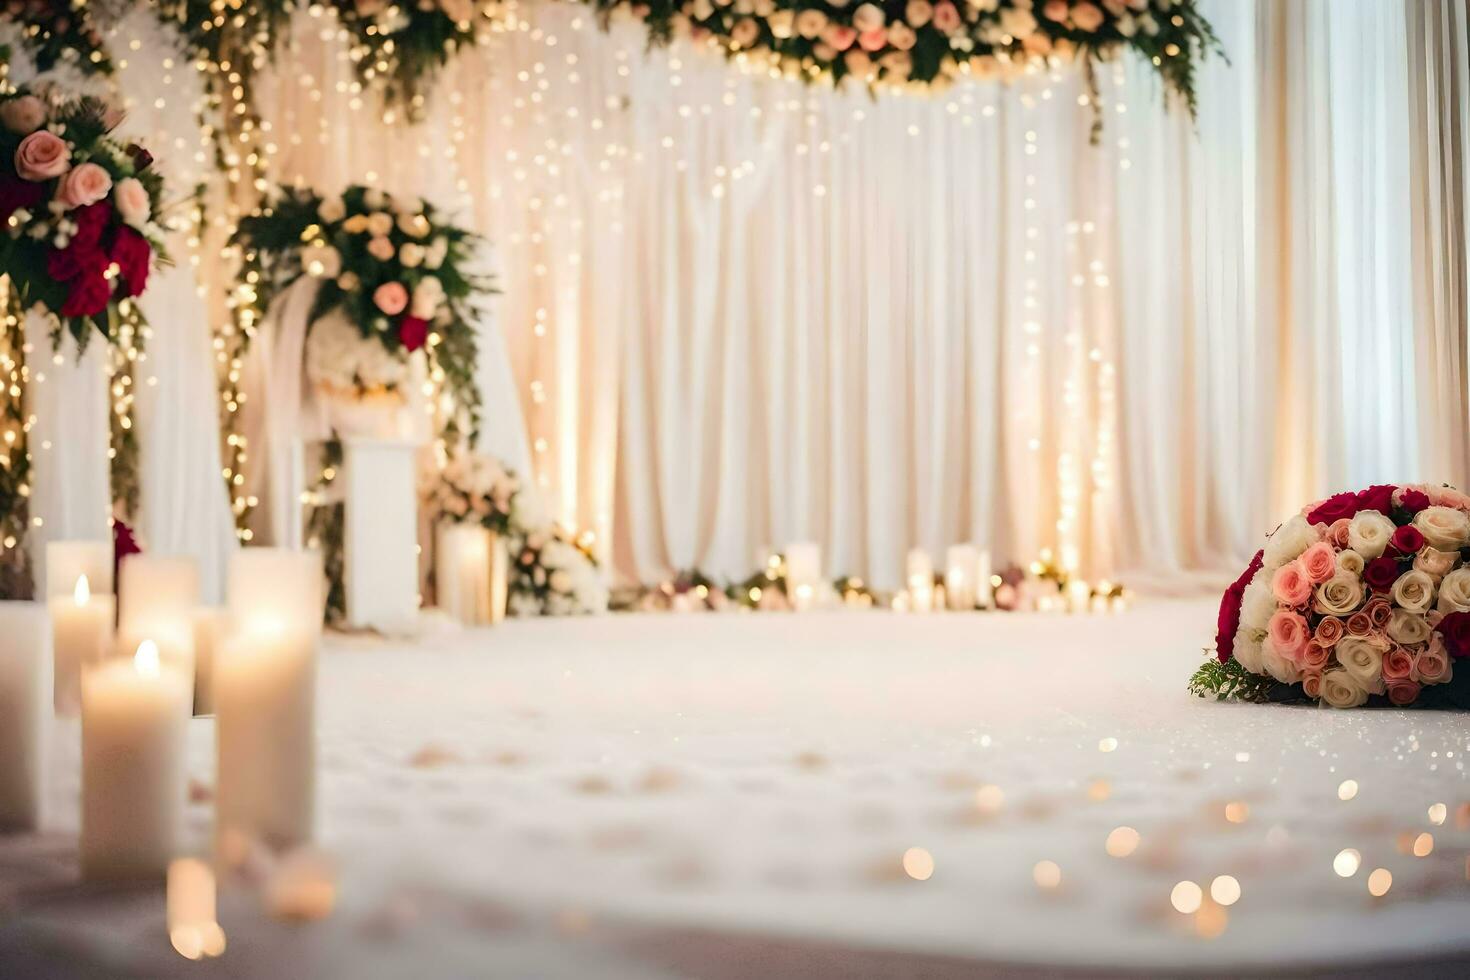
(1079, 596)
(803, 572)
(135, 713)
(265, 708)
(984, 587)
(462, 572)
(278, 588)
(499, 578)
(81, 624)
(25, 698)
(67, 561)
(961, 576)
(211, 626)
(156, 590)
(920, 580)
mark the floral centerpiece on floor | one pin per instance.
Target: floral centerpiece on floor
(394, 280)
(474, 488)
(555, 574)
(78, 209)
(1361, 598)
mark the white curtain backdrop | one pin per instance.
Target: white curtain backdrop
(739, 312)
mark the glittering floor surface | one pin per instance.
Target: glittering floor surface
(886, 795)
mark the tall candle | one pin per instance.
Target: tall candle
(158, 597)
(135, 713)
(211, 625)
(277, 586)
(81, 624)
(984, 587)
(920, 580)
(67, 561)
(265, 709)
(462, 572)
(25, 698)
(499, 578)
(803, 572)
(961, 575)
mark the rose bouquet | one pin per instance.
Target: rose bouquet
(390, 269)
(555, 574)
(402, 46)
(474, 488)
(1361, 598)
(78, 209)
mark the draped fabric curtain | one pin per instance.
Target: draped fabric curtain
(739, 311)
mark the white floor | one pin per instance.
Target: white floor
(510, 798)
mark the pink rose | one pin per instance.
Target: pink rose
(1432, 664)
(874, 40)
(1291, 586)
(381, 248)
(1403, 693)
(391, 298)
(1087, 17)
(1379, 612)
(1312, 683)
(1314, 656)
(23, 115)
(131, 200)
(84, 184)
(1319, 562)
(839, 36)
(1360, 625)
(1329, 631)
(1398, 665)
(1339, 531)
(41, 156)
(859, 64)
(946, 17)
(1288, 633)
(1055, 10)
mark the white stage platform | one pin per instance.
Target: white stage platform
(732, 795)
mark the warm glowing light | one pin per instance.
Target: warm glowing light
(1237, 811)
(83, 593)
(1379, 882)
(1122, 842)
(1186, 897)
(1423, 845)
(1347, 790)
(145, 661)
(918, 863)
(1047, 874)
(1438, 813)
(989, 799)
(1109, 744)
(1225, 890)
(1346, 863)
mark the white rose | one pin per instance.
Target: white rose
(1340, 595)
(1414, 591)
(436, 253)
(411, 255)
(1363, 661)
(1369, 533)
(1019, 24)
(1350, 561)
(1406, 628)
(331, 210)
(1289, 541)
(1247, 651)
(427, 296)
(868, 17)
(348, 282)
(1454, 591)
(1339, 690)
(1257, 603)
(918, 13)
(561, 581)
(1436, 563)
(1277, 665)
(1444, 528)
(373, 199)
(809, 23)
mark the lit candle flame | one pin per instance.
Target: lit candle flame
(83, 593)
(145, 661)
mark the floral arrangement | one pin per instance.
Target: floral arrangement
(400, 47)
(78, 208)
(476, 488)
(555, 574)
(393, 281)
(1361, 598)
(59, 32)
(934, 41)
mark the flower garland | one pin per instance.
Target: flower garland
(78, 211)
(394, 269)
(1361, 598)
(928, 43)
(60, 33)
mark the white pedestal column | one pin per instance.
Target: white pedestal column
(381, 535)
(71, 476)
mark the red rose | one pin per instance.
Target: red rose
(141, 158)
(1335, 507)
(16, 193)
(91, 221)
(88, 296)
(1378, 497)
(1407, 540)
(132, 254)
(1455, 628)
(1414, 501)
(65, 264)
(1381, 573)
(1228, 620)
(413, 331)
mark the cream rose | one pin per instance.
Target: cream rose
(379, 223)
(427, 296)
(1257, 603)
(1278, 664)
(380, 248)
(810, 23)
(1444, 528)
(782, 23)
(1434, 562)
(1407, 628)
(130, 198)
(23, 115)
(1414, 591)
(435, 254)
(869, 17)
(1350, 561)
(1369, 533)
(331, 210)
(1363, 661)
(1454, 591)
(321, 261)
(41, 156)
(411, 254)
(1339, 690)
(1432, 665)
(1247, 652)
(1289, 541)
(1340, 595)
